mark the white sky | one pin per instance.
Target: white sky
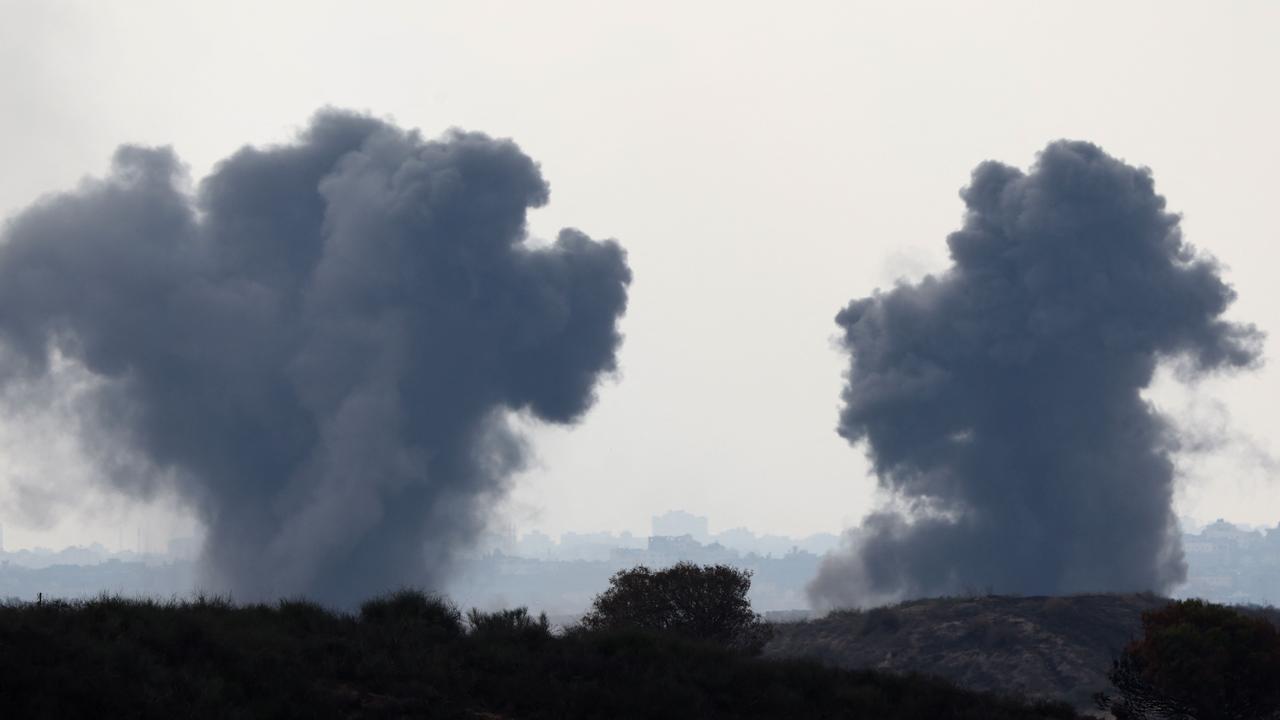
(763, 163)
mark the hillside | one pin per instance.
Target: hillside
(408, 655)
(1047, 647)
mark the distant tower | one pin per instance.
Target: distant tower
(1, 538)
(678, 522)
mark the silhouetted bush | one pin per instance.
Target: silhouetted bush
(707, 603)
(304, 615)
(516, 624)
(1198, 661)
(413, 607)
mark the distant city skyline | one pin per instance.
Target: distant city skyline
(1226, 564)
(138, 539)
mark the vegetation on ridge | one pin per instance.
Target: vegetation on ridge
(414, 655)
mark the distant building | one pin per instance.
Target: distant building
(674, 547)
(675, 523)
(1198, 547)
(1230, 564)
(587, 546)
(1223, 531)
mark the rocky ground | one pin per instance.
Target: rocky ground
(1057, 648)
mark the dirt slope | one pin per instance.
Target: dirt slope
(1046, 647)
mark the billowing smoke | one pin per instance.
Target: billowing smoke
(321, 347)
(999, 402)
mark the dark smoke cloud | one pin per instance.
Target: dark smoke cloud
(320, 349)
(1000, 402)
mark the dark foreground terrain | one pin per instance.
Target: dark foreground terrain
(408, 655)
(1057, 648)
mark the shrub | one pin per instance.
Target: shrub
(1199, 661)
(413, 607)
(516, 624)
(707, 603)
(304, 615)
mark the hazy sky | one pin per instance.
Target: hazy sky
(763, 163)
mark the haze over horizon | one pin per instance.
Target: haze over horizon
(760, 165)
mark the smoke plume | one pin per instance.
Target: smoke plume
(320, 347)
(1000, 404)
